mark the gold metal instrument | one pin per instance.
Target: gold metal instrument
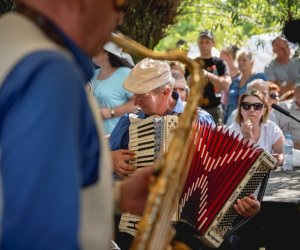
(155, 230)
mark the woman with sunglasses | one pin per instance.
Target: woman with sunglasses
(252, 123)
(274, 91)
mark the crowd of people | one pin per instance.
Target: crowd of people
(58, 156)
(231, 75)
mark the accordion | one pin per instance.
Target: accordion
(223, 169)
(149, 139)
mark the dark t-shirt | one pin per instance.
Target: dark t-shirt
(218, 67)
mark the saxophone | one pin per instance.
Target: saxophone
(155, 230)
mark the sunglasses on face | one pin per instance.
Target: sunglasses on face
(256, 106)
(274, 96)
(120, 5)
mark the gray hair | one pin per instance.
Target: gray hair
(246, 53)
(259, 84)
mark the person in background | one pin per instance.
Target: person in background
(274, 97)
(287, 124)
(252, 123)
(180, 85)
(175, 65)
(239, 84)
(151, 82)
(217, 75)
(257, 84)
(282, 70)
(107, 84)
(274, 93)
(55, 163)
(228, 54)
(181, 45)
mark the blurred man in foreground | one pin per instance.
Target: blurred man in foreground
(51, 144)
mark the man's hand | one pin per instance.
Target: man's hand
(248, 206)
(134, 191)
(120, 162)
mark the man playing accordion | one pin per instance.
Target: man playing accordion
(152, 84)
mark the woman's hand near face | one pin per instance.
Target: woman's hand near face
(246, 128)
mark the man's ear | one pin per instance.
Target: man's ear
(167, 90)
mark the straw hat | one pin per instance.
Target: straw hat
(148, 74)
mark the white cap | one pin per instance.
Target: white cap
(117, 51)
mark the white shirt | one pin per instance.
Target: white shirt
(269, 134)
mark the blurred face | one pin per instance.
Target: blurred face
(226, 57)
(281, 49)
(244, 63)
(205, 46)
(180, 88)
(252, 108)
(98, 19)
(153, 103)
(273, 97)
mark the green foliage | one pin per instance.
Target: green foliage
(160, 24)
(232, 21)
(146, 21)
(6, 5)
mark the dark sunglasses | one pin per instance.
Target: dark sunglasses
(247, 106)
(120, 5)
(274, 96)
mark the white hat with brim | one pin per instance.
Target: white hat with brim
(147, 75)
(117, 51)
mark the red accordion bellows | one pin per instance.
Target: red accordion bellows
(222, 165)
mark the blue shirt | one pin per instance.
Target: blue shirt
(119, 138)
(110, 93)
(50, 148)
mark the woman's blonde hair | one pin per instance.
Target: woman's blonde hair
(261, 97)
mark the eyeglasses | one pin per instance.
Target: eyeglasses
(179, 89)
(274, 96)
(120, 5)
(256, 106)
